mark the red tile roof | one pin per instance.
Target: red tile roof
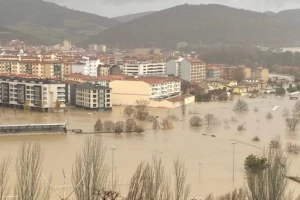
(194, 60)
(179, 98)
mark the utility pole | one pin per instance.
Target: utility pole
(112, 166)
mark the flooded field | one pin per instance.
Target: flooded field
(209, 160)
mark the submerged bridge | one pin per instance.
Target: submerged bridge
(31, 128)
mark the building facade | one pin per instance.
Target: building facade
(128, 91)
(151, 69)
(213, 72)
(261, 74)
(93, 96)
(40, 68)
(193, 70)
(91, 65)
(36, 93)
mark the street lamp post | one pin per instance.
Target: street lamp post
(199, 170)
(233, 156)
(112, 165)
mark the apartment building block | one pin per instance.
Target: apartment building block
(150, 69)
(127, 91)
(192, 70)
(93, 96)
(91, 65)
(38, 94)
(261, 74)
(40, 68)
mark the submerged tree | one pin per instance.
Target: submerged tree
(130, 125)
(29, 169)
(241, 106)
(90, 170)
(129, 111)
(98, 126)
(109, 125)
(292, 123)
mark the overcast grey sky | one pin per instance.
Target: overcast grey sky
(113, 8)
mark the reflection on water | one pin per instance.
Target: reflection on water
(193, 145)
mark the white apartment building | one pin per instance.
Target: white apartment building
(91, 65)
(93, 96)
(150, 69)
(192, 70)
(126, 92)
(38, 94)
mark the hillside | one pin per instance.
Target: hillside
(7, 35)
(201, 24)
(292, 15)
(49, 21)
(127, 18)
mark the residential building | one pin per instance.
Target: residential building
(104, 70)
(91, 65)
(152, 69)
(261, 74)
(228, 72)
(213, 72)
(78, 67)
(39, 67)
(93, 96)
(128, 91)
(193, 70)
(38, 94)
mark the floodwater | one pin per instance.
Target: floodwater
(209, 160)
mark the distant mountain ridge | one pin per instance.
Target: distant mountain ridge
(50, 22)
(127, 18)
(202, 24)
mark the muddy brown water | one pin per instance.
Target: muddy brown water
(213, 175)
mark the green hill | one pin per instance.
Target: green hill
(127, 18)
(50, 22)
(201, 24)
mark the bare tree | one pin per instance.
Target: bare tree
(292, 148)
(181, 188)
(4, 188)
(285, 112)
(241, 127)
(209, 119)
(166, 124)
(109, 125)
(149, 182)
(271, 182)
(28, 170)
(173, 117)
(130, 125)
(275, 143)
(155, 124)
(98, 126)
(196, 121)
(90, 170)
(141, 109)
(296, 110)
(292, 123)
(269, 115)
(183, 107)
(129, 111)
(120, 127)
(241, 106)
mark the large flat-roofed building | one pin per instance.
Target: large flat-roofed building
(128, 91)
(93, 96)
(261, 74)
(38, 94)
(136, 69)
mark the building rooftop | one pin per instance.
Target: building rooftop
(156, 80)
(179, 98)
(21, 79)
(91, 86)
(194, 60)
